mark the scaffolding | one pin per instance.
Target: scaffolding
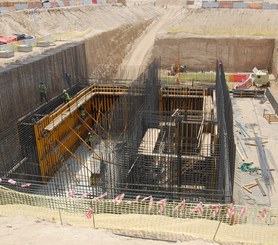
(147, 138)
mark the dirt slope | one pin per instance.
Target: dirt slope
(136, 60)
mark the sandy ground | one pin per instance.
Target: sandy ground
(255, 124)
(18, 231)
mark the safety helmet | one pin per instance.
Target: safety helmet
(64, 91)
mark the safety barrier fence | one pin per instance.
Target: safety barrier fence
(168, 220)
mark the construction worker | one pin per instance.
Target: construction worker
(177, 78)
(94, 179)
(67, 78)
(42, 89)
(90, 139)
(82, 112)
(66, 96)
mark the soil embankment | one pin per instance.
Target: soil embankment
(201, 52)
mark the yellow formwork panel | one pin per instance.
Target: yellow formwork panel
(53, 145)
(174, 97)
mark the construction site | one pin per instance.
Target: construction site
(135, 117)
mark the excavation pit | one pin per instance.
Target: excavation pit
(148, 137)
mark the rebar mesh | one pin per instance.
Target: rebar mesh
(152, 139)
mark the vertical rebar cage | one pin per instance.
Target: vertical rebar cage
(168, 141)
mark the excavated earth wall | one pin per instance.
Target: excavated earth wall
(200, 53)
(105, 52)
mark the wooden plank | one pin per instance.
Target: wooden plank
(250, 185)
(247, 189)
(264, 142)
(260, 187)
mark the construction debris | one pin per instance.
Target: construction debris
(247, 143)
(242, 130)
(266, 174)
(251, 185)
(260, 187)
(270, 117)
(245, 167)
(247, 187)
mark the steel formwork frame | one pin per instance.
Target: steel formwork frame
(149, 139)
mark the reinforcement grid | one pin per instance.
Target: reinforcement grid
(137, 149)
(226, 135)
(149, 217)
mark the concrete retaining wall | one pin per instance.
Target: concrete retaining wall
(238, 55)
